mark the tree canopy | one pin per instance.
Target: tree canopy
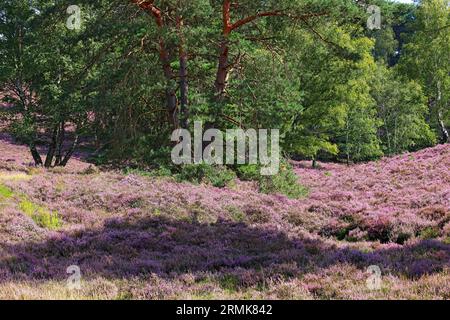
(136, 70)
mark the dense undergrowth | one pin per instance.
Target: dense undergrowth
(285, 182)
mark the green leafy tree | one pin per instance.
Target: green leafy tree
(402, 108)
(427, 60)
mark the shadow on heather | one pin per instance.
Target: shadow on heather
(168, 248)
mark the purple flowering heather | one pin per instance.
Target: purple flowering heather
(147, 238)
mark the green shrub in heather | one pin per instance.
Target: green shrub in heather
(285, 182)
(217, 176)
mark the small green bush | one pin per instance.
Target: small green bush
(285, 182)
(248, 172)
(217, 176)
(429, 233)
(162, 172)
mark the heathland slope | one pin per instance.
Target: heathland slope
(147, 238)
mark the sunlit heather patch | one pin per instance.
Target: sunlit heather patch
(14, 176)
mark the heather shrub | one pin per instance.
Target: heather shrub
(356, 235)
(101, 288)
(334, 228)
(403, 231)
(34, 171)
(90, 170)
(344, 229)
(236, 214)
(229, 283)
(379, 229)
(322, 209)
(15, 265)
(58, 170)
(298, 218)
(386, 229)
(255, 214)
(41, 216)
(402, 238)
(433, 212)
(347, 229)
(200, 214)
(447, 229)
(291, 291)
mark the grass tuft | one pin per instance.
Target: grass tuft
(5, 192)
(40, 215)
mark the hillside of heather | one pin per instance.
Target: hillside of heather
(137, 237)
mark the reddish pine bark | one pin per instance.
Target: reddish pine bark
(164, 57)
